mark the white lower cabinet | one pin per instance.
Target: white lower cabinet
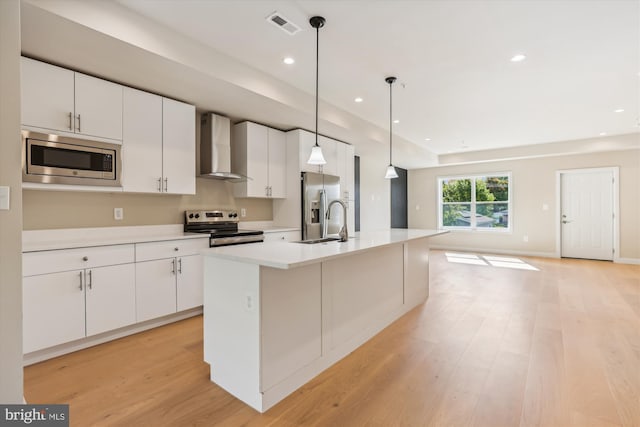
(52, 310)
(168, 277)
(70, 294)
(110, 298)
(189, 282)
(62, 303)
(155, 288)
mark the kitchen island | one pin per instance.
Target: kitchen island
(276, 314)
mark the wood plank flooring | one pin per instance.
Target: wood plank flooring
(493, 346)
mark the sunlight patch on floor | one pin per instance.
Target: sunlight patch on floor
(489, 261)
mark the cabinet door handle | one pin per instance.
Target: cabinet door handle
(79, 124)
(81, 281)
(70, 120)
(173, 266)
(90, 281)
(166, 184)
(180, 265)
(266, 191)
(160, 185)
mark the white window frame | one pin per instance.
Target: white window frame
(473, 227)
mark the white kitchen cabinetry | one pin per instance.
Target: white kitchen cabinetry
(178, 147)
(73, 293)
(142, 142)
(69, 103)
(168, 277)
(259, 152)
(158, 144)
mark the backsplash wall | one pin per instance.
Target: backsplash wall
(76, 209)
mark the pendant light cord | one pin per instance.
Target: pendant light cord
(317, 71)
(390, 123)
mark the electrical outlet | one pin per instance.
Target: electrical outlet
(525, 238)
(243, 212)
(118, 214)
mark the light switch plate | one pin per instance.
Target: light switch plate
(4, 198)
(118, 214)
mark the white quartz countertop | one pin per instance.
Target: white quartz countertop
(44, 240)
(290, 255)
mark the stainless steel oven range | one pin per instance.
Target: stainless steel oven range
(222, 227)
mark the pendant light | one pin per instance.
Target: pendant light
(391, 171)
(316, 157)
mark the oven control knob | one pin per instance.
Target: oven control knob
(190, 215)
(197, 216)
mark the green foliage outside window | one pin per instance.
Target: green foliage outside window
(458, 205)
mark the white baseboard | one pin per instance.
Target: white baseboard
(70, 347)
(635, 261)
(494, 251)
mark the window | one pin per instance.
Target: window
(478, 202)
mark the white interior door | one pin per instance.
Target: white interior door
(587, 214)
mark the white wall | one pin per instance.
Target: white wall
(533, 185)
(375, 190)
(10, 221)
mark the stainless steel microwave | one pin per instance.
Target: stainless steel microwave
(54, 159)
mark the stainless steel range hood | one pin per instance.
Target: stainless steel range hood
(215, 148)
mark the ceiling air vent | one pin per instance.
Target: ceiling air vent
(280, 21)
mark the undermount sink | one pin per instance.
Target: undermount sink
(323, 240)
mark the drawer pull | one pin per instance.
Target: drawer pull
(85, 258)
(176, 249)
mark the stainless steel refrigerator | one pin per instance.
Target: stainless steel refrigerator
(318, 190)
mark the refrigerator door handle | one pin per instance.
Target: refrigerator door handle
(323, 213)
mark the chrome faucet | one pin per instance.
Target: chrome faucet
(343, 233)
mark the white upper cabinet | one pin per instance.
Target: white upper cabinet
(98, 107)
(178, 147)
(158, 144)
(277, 163)
(61, 100)
(47, 96)
(259, 152)
(142, 142)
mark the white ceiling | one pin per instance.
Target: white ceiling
(456, 83)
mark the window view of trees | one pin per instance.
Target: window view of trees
(471, 202)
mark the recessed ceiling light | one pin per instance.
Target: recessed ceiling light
(288, 60)
(518, 58)
(603, 133)
(396, 121)
(619, 110)
(358, 99)
(427, 139)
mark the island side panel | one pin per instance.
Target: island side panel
(232, 327)
(361, 295)
(416, 278)
(291, 322)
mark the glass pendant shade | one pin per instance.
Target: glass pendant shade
(391, 172)
(316, 157)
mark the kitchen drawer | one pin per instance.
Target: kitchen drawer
(170, 248)
(43, 262)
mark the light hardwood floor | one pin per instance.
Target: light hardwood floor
(493, 346)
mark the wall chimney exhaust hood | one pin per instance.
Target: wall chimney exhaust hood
(215, 148)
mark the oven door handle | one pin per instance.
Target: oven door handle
(234, 240)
